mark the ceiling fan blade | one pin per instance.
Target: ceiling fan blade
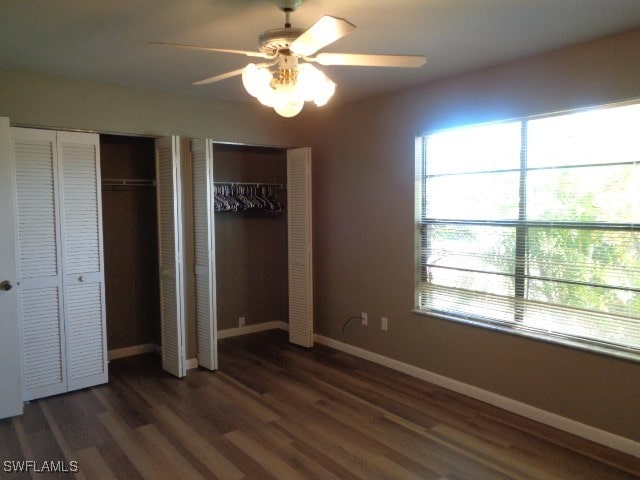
(212, 49)
(325, 31)
(359, 60)
(222, 76)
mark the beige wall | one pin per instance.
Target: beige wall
(364, 232)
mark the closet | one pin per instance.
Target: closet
(60, 271)
(130, 230)
(251, 243)
(263, 255)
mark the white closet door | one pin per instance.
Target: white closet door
(81, 220)
(10, 346)
(39, 263)
(204, 253)
(300, 246)
(170, 246)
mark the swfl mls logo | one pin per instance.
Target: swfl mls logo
(59, 466)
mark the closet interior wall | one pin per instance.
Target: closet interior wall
(251, 245)
(130, 234)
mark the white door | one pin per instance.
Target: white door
(204, 253)
(10, 345)
(82, 258)
(39, 261)
(300, 246)
(170, 250)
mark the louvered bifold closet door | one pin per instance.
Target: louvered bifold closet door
(300, 246)
(170, 248)
(204, 253)
(39, 263)
(81, 220)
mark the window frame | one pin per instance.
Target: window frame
(522, 226)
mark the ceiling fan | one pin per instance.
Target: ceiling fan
(287, 77)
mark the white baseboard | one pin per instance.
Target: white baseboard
(256, 327)
(145, 348)
(588, 432)
(130, 351)
(191, 363)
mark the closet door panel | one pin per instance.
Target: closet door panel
(170, 242)
(43, 342)
(86, 361)
(81, 212)
(300, 247)
(38, 241)
(204, 253)
(39, 263)
(81, 207)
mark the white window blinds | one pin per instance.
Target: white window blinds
(534, 226)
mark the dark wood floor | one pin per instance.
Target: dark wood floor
(275, 411)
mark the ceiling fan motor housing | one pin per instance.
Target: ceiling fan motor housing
(277, 39)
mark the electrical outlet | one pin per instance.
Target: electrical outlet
(383, 323)
(365, 319)
(241, 322)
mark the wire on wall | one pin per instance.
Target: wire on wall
(348, 320)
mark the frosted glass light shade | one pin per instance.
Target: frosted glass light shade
(309, 80)
(325, 92)
(255, 79)
(314, 86)
(288, 103)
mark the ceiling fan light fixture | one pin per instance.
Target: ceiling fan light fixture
(286, 79)
(287, 89)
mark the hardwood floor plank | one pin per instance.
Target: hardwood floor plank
(118, 462)
(93, 465)
(250, 405)
(79, 427)
(272, 462)
(206, 453)
(67, 453)
(169, 458)
(143, 461)
(504, 459)
(14, 445)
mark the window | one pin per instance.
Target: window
(533, 226)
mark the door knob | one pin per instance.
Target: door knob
(5, 286)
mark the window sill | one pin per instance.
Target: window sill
(512, 329)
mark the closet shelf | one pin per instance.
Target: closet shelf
(131, 182)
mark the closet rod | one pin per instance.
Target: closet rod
(261, 184)
(132, 182)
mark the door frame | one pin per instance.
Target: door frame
(11, 373)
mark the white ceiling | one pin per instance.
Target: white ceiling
(107, 40)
